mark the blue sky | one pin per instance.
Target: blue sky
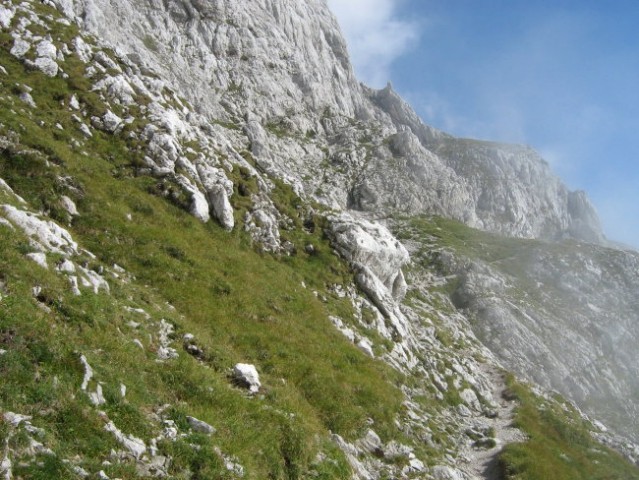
(561, 76)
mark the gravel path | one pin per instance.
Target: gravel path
(483, 463)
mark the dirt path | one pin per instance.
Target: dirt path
(483, 463)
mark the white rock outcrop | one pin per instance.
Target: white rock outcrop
(377, 257)
(246, 376)
(135, 446)
(46, 235)
(369, 245)
(69, 206)
(218, 190)
(6, 15)
(38, 257)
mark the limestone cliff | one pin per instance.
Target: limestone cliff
(279, 69)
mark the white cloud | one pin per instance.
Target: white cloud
(376, 36)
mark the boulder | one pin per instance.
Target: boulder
(200, 426)
(111, 121)
(28, 99)
(246, 376)
(69, 205)
(366, 244)
(199, 206)
(447, 473)
(46, 49)
(6, 15)
(218, 190)
(38, 257)
(47, 65)
(20, 47)
(221, 206)
(469, 397)
(74, 103)
(371, 443)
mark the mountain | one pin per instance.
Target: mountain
(282, 67)
(223, 257)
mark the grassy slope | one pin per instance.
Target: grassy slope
(241, 305)
(560, 445)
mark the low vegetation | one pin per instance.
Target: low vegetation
(560, 444)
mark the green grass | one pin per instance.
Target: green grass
(465, 241)
(242, 305)
(560, 445)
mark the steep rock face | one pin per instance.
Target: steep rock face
(507, 189)
(279, 70)
(281, 56)
(514, 191)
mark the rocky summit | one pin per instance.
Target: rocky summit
(224, 257)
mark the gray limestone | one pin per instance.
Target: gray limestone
(38, 257)
(220, 58)
(200, 426)
(46, 234)
(6, 15)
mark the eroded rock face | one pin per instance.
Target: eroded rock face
(515, 193)
(369, 245)
(308, 121)
(229, 45)
(377, 257)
